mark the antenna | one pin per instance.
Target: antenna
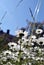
(19, 3)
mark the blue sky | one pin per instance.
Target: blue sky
(16, 16)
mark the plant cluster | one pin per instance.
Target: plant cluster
(29, 49)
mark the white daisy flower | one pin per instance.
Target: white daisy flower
(31, 48)
(9, 63)
(12, 44)
(23, 38)
(32, 44)
(33, 58)
(40, 41)
(25, 42)
(4, 58)
(42, 49)
(41, 58)
(34, 40)
(38, 58)
(19, 32)
(26, 51)
(25, 33)
(30, 63)
(33, 37)
(7, 52)
(36, 48)
(39, 31)
(14, 56)
(17, 48)
(19, 41)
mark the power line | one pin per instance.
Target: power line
(3, 18)
(19, 3)
(4, 15)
